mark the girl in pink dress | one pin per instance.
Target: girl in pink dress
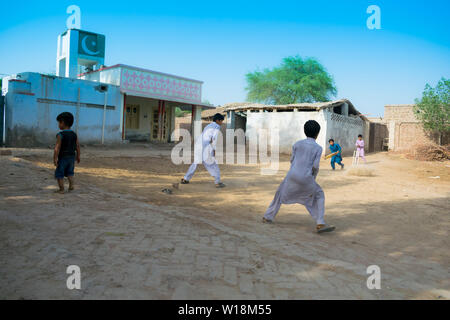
(360, 147)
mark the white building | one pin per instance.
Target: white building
(109, 104)
(339, 120)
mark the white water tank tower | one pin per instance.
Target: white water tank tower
(79, 51)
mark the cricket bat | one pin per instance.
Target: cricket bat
(331, 154)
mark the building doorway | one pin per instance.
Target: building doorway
(132, 116)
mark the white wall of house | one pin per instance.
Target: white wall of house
(33, 101)
(289, 124)
(111, 76)
(343, 129)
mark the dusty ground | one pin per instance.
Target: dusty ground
(133, 241)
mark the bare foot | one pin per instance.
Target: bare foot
(59, 191)
(71, 188)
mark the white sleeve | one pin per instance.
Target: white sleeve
(214, 135)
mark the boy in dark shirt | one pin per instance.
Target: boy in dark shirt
(65, 148)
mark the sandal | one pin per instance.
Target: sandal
(183, 181)
(220, 185)
(321, 228)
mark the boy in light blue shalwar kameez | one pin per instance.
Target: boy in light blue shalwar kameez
(335, 147)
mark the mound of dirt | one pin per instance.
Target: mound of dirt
(429, 152)
(361, 170)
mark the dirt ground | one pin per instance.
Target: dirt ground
(133, 241)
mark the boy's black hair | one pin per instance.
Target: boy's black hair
(218, 116)
(330, 140)
(65, 117)
(359, 135)
(311, 128)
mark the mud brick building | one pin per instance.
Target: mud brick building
(404, 128)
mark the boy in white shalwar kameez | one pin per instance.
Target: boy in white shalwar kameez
(299, 185)
(208, 141)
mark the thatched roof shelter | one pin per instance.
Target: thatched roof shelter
(209, 113)
(316, 106)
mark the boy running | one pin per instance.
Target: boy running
(208, 141)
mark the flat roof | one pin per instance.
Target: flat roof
(139, 69)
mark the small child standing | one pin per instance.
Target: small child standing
(299, 185)
(65, 148)
(335, 147)
(360, 148)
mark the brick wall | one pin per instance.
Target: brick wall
(405, 129)
(408, 134)
(403, 112)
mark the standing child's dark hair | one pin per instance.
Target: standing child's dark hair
(330, 140)
(65, 117)
(360, 136)
(312, 129)
(217, 117)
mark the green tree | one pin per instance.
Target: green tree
(433, 109)
(295, 80)
(181, 113)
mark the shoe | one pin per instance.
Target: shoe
(220, 185)
(184, 181)
(264, 220)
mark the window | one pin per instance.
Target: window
(337, 110)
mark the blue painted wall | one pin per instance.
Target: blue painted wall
(34, 100)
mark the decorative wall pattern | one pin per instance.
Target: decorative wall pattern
(160, 86)
(347, 120)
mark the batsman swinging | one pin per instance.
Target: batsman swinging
(336, 157)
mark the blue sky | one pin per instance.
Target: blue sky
(218, 42)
